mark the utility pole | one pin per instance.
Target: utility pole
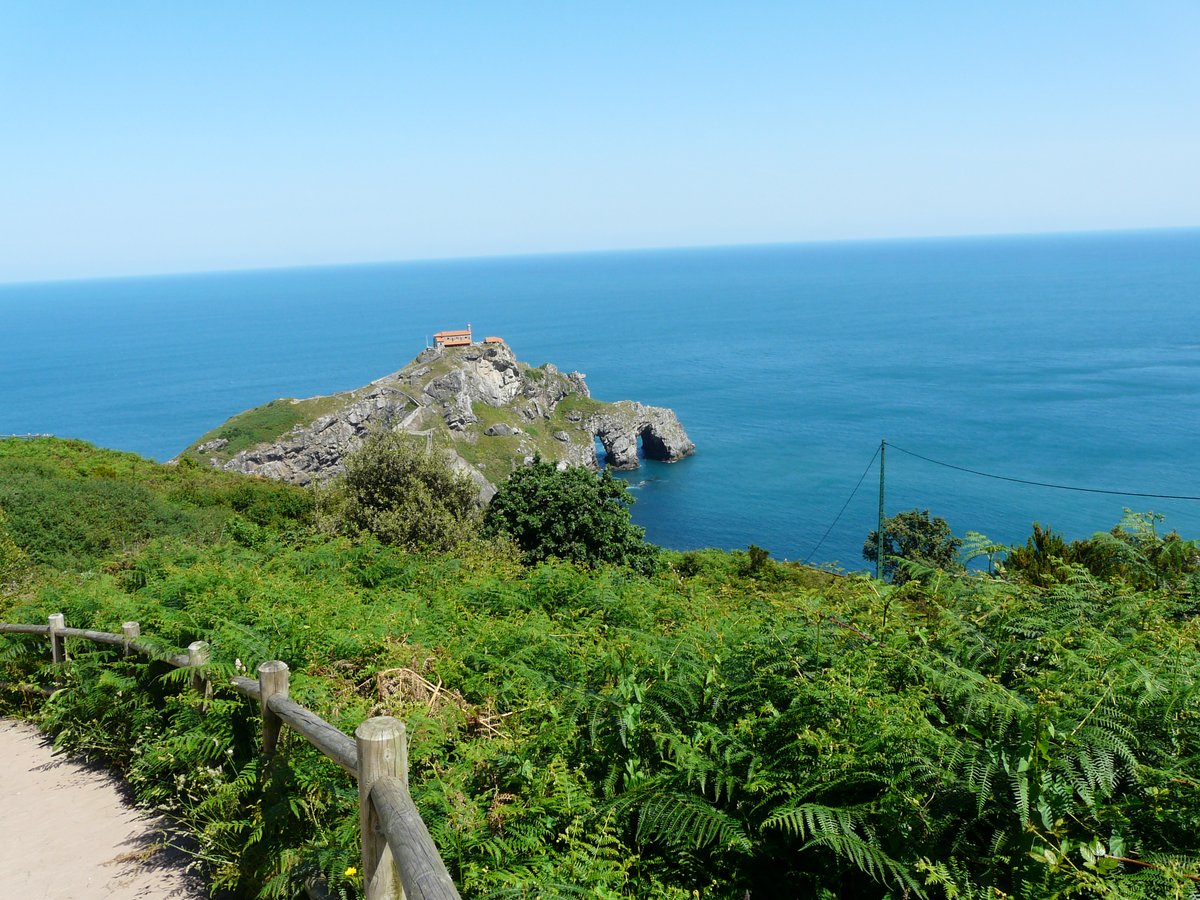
(879, 530)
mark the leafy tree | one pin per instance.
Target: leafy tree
(403, 494)
(913, 536)
(572, 514)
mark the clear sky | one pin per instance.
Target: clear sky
(157, 137)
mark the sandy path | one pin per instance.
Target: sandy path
(66, 833)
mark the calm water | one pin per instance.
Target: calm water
(1071, 359)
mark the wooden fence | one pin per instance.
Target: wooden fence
(399, 858)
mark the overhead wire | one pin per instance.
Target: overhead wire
(1046, 484)
(838, 517)
(970, 471)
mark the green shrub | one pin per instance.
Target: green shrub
(757, 560)
(572, 514)
(1133, 552)
(72, 506)
(688, 564)
(267, 502)
(403, 494)
(913, 537)
(74, 523)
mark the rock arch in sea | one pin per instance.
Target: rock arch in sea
(619, 429)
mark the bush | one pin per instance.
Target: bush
(1133, 552)
(572, 514)
(756, 560)
(591, 733)
(650, 738)
(688, 564)
(403, 494)
(913, 536)
(74, 523)
(270, 502)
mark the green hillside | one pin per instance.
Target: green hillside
(728, 726)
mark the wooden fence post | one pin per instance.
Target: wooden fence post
(197, 658)
(382, 750)
(130, 631)
(58, 644)
(272, 680)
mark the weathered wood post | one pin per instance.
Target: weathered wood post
(58, 644)
(130, 632)
(197, 658)
(382, 750)
(272, 680)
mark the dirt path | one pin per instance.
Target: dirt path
(67, 833)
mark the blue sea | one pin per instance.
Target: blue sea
(1069, 359)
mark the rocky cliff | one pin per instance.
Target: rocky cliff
(481, 406)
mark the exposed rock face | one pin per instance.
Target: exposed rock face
(485, 409)
(618, 429)
(501, 430)
(316, 450)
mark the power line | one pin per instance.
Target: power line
(814, 550)
(1046, 484)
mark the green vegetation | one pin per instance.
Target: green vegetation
(726, 725)
(1133, 551)
(570, 514)
(496, 455)
(266, 423)
(576, 407)
(71, 506)
(913, 537)
(13, 560)
(403, 494)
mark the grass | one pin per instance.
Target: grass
(498, 455)
(71, 505)
(585, 406)
(267, 423)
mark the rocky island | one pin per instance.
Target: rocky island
(488, 411)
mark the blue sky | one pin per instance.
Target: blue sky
(158, 137)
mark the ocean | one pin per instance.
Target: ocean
(1064, 359)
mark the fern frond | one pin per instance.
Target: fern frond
(689, 819)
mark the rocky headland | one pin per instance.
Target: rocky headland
(485, 409)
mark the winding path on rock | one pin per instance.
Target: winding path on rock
(67, 833)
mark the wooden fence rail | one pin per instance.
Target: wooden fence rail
(399, 859)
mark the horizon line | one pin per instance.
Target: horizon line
(236, 270)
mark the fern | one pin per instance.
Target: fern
(843, 832)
